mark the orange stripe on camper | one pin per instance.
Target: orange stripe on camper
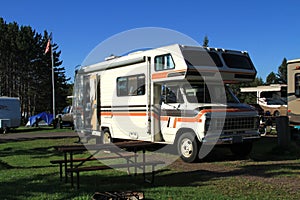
(135, 114)
(197, 118)
(164, 74)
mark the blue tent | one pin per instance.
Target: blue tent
(48, 118)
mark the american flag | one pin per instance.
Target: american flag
(48, 46)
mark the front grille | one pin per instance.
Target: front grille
(240, 123)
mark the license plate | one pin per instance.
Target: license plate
(237, 139)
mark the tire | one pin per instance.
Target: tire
(106, 137)
(188, 147)
(5, 130)
(241, 150)
(276, 113)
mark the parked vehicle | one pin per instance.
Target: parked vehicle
(171, 95)
(65, 118)
(10, 113)
(293, 70)
(271, 98)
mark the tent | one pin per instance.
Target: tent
(47, 117)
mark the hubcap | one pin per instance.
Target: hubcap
(106, 138)
(186, 147)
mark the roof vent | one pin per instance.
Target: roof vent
(111, 57)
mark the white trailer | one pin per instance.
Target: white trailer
(10, 113)
(172, 95)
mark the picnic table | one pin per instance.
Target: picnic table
(116, 151)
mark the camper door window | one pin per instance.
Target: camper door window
(131, 85)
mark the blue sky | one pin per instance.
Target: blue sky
(268, 30)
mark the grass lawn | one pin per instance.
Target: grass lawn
(26, 173)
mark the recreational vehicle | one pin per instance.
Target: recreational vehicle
(170, 95)
(271, 98)
(10, 113)
(293, 70)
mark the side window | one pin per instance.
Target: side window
(164, 62)
(122, 86)
(297, 85)
(131, 85)
(171, 94)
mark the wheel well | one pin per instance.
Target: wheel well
(184, 130)
(106, 128)
(103, 128)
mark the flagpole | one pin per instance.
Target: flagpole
(53, 81)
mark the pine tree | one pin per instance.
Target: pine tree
(25, 71)
(271, 79)
(205, 41)
(282, 72)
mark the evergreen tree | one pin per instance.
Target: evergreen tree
(282, 72)
(271, 79)
(205, 41)
(26, 72)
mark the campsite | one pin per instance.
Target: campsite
(149, 100)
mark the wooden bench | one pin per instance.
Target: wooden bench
(83, 160)
(141, 165)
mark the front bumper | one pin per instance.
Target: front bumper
(230, 139)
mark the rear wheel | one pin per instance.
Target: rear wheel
(188, 147)
(5, 130)
(276, 113)
(106, 137)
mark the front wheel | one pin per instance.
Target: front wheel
(188, 147)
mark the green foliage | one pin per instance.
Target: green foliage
(282, 72)
(25, 71)
(281, 76)
(271, 79)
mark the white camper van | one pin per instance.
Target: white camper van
(171, 95)
(10, 113)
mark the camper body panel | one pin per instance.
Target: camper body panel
(124, 102)
(293, 69)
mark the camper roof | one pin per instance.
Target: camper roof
(189, 62)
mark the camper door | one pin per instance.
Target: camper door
(89, 102)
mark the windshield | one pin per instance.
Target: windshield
(280, 101)
(211, 93)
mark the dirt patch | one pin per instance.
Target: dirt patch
(31, 136)
(278, 174)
